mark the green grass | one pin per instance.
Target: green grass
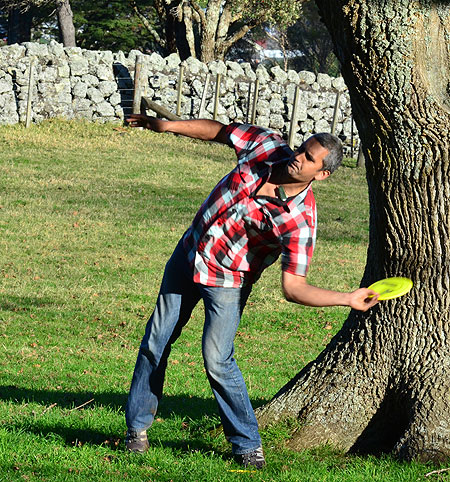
(89, 215)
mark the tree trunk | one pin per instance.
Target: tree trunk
(383, 382)
(206, 34)
(65, 23)
(209, 30)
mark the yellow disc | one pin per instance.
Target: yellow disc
(391, 287)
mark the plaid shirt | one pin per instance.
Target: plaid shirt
(236, 234)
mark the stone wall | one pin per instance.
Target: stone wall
(98, 86)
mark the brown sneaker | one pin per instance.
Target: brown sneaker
(253, 459)
(136, 441)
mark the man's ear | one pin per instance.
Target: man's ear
(322, 175)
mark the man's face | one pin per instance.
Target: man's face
(306, 163)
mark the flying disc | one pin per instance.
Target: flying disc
(242, 471)
(391, 287)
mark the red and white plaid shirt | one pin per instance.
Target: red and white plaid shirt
(236, 234)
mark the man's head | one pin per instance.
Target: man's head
(334, 146)
(315, 159)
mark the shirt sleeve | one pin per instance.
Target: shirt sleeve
(256, 144)
(297, 252)
(298, 238)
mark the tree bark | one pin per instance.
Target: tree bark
(383, 382)
(65, 23)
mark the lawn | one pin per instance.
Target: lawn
(89, 214)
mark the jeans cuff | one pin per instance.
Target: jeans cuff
(247, 451)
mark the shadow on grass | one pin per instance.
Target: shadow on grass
(78, 437)
(23, 303)
(62, 399)
(194, 411)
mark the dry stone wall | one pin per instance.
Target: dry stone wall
(98, 86)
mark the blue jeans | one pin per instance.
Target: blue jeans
(223, 308)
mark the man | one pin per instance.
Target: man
(263, 208)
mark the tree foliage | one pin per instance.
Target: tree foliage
(39, 15)
(21, 16)
(104, 24)
(8, 5)
(274, 12)
(111, 25)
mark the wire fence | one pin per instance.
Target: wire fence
(133, 99)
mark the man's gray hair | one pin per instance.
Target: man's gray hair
(334, 146)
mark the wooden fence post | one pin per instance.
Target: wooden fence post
(201, 111)
(249, 101)
(137, 95)
(180, 89)
(293, 126)
(255, 101)
(335, 114)
(216, 96)
(30, 92)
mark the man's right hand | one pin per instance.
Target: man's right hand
(147, 122)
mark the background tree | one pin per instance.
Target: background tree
(246, 49)
(383, 382)
(26, 15)
(305, 45)
(309, 36)
(65, 23)
(207, 30)
(281, 40)
(19, 16)
(112, 25)
(19, 25)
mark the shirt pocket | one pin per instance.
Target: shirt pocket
(259, 220)
(244, 176)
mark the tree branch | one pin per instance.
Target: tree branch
(236, 17)
(147, 24)
(230, 41)
(282, 42)
(224, 22)
(187, 14)
(199, 12)
(23, 5)
(160, 9)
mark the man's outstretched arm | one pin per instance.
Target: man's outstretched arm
(297, 290)
(204, 129)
